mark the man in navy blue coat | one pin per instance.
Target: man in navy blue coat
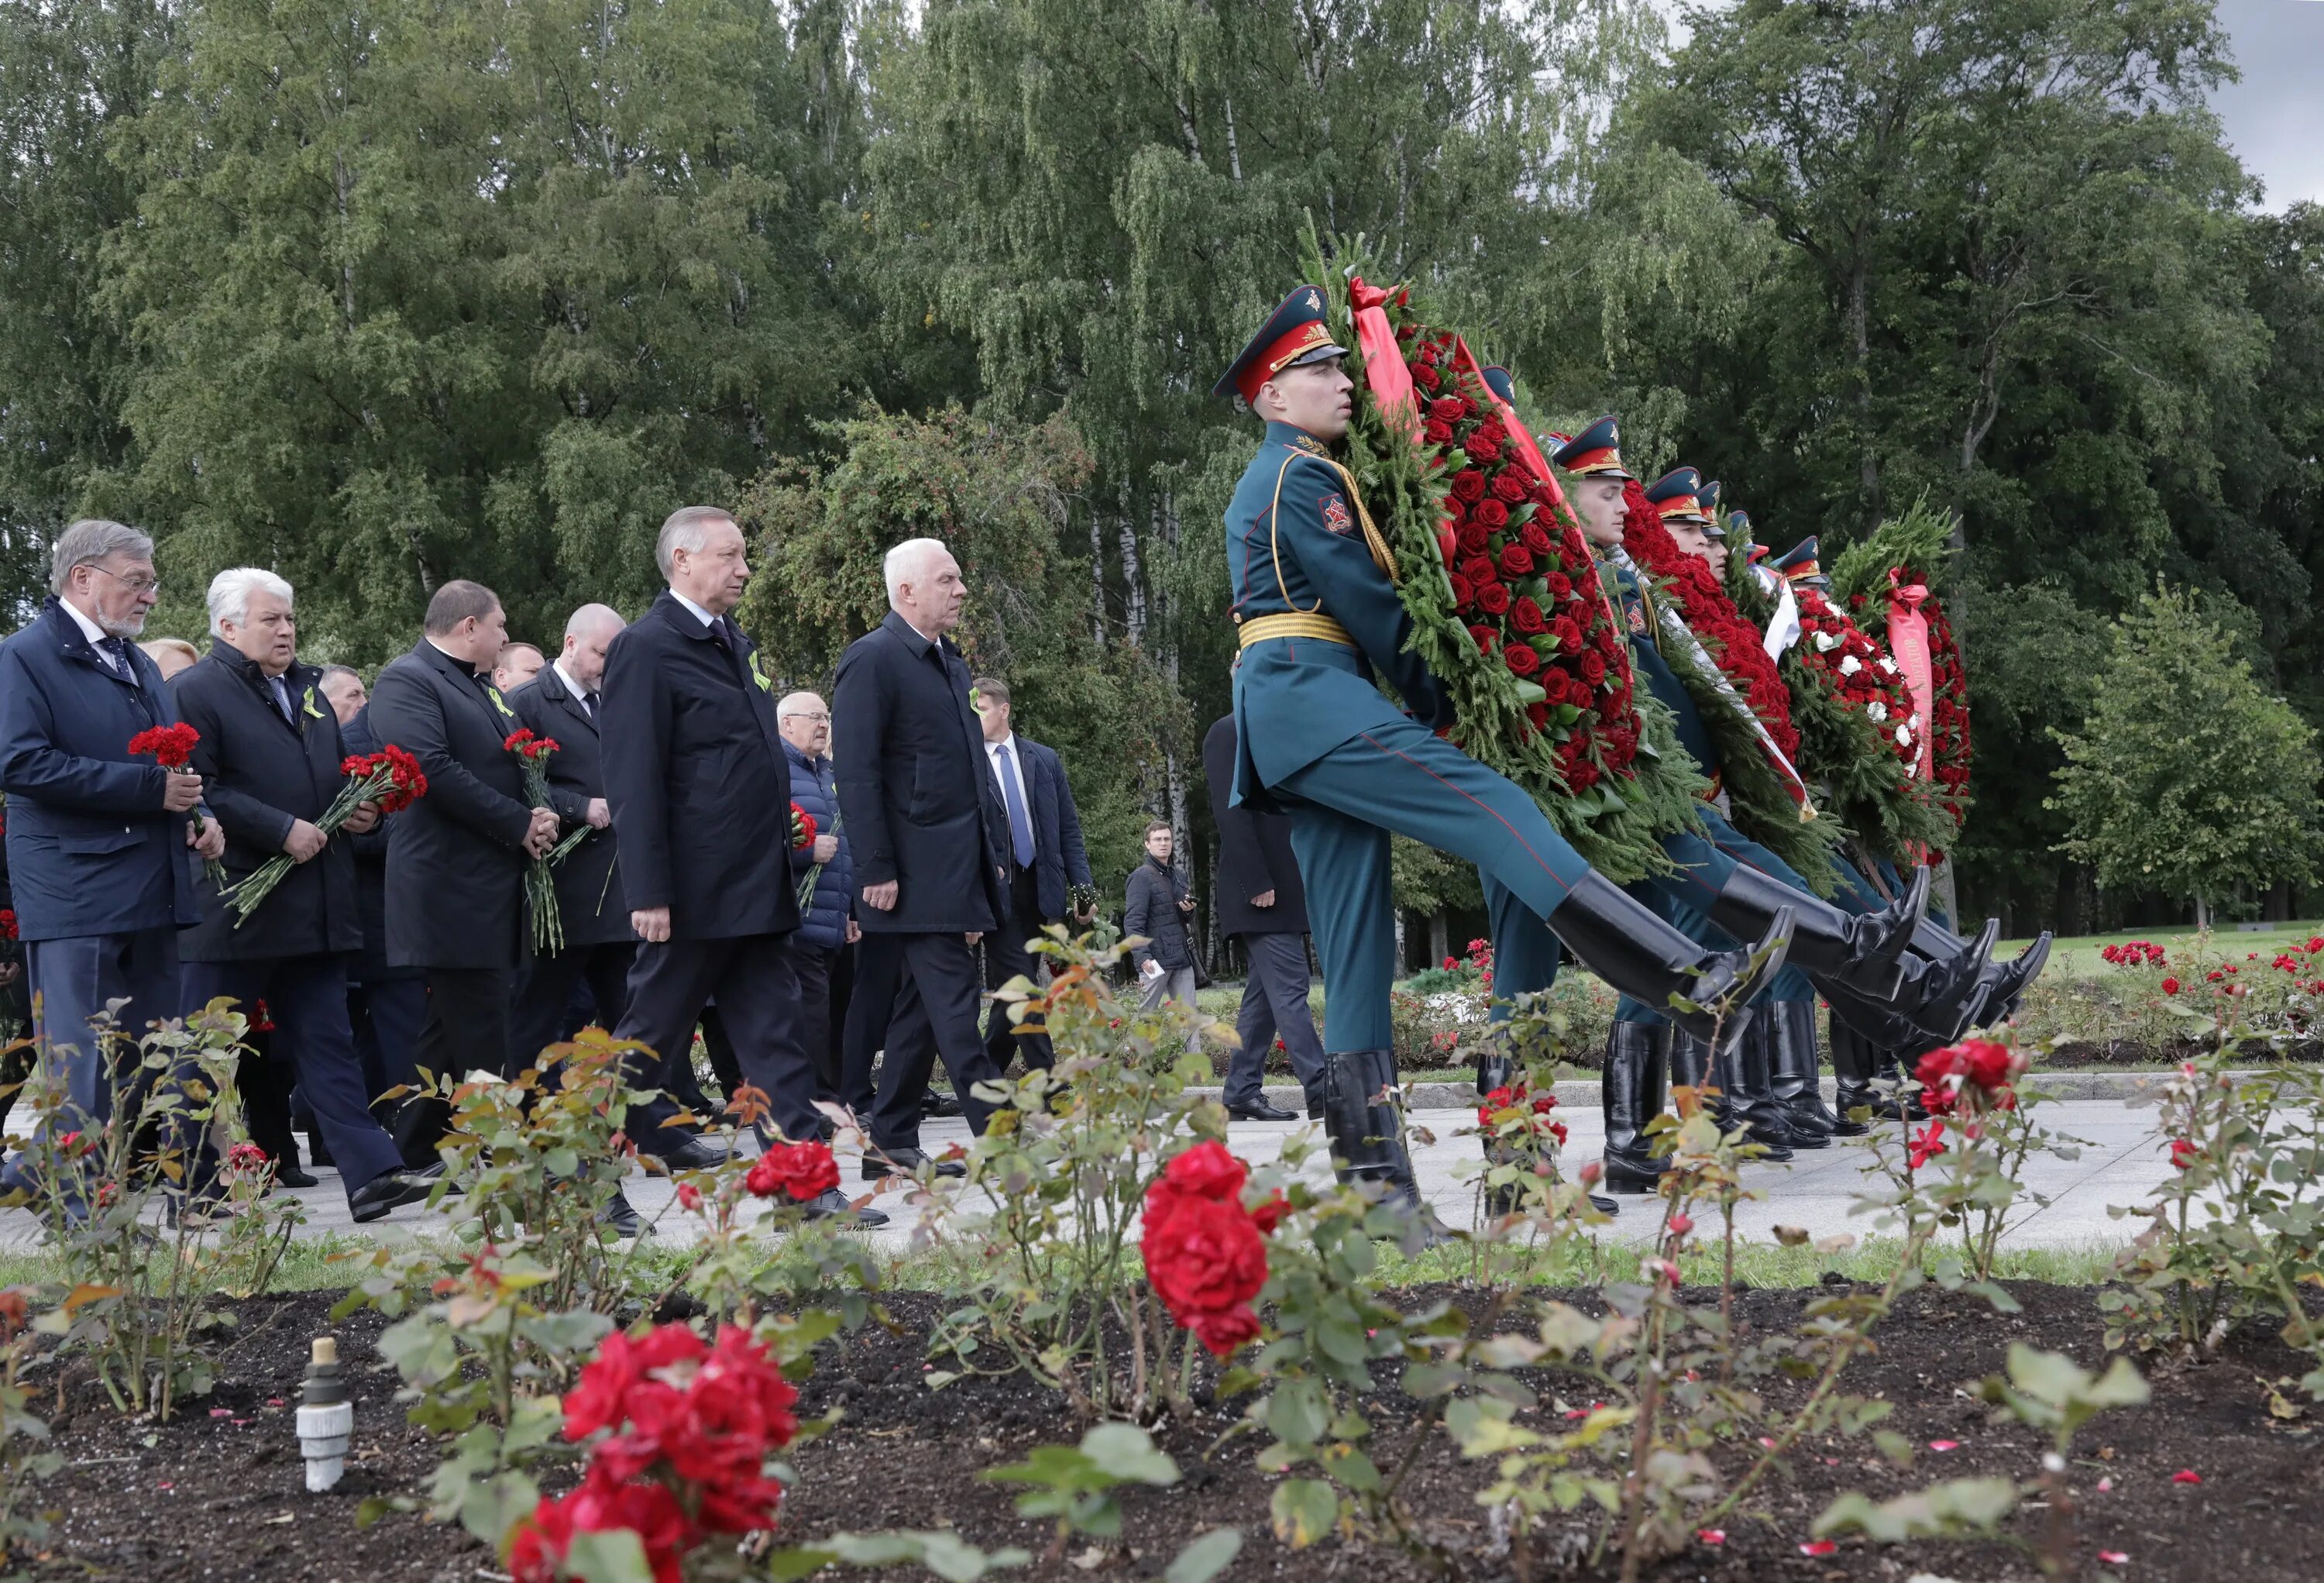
(700, 788)
(925, 822)
(102, 847)
(1045, 860)
(269, 755)
(828, 905)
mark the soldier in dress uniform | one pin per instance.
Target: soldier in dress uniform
(1312, 593)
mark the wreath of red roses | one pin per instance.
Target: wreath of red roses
(1729, 640)
(1951, 752)
(1523, 580)
(1859, 673)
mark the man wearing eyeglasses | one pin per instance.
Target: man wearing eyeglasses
(823, 870)
(102, 847)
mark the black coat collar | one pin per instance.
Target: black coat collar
(551, 683)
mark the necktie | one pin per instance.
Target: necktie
(1020, 829)
(281, 698)
(116, 653)
(589, 703)
(728, 639)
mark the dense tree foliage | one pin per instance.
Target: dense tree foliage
(380, 294)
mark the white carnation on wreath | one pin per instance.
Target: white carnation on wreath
(1904, 737)
(1887, 666)
(1850, 665)
(1826, 642)
(1876, 711)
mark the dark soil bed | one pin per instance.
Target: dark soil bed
(218, 1492)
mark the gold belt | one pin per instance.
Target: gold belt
(1303, 623)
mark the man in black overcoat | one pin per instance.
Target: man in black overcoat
(456, 859)
(562, 702)
(700, 789)
(269, 758)
(931, 848)
(1260, 898)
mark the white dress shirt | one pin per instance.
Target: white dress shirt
(580, 693)
(96, 635)
(700, 614)
(1015, 770)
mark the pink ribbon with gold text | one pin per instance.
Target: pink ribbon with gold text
(1908, 646)
(1384, 370)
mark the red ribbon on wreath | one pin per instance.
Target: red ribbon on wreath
(1384, 369)
(1908, 646)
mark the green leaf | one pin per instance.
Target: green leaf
(1206, 1557)
(608, 1555)
(1956, 1508)
(1297, 1413)
(1303, 1511)
(1125, 1452)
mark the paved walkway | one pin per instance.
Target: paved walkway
(2124, 1160)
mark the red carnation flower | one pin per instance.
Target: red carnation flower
(172, 746)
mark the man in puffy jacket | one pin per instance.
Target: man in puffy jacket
(826, 876)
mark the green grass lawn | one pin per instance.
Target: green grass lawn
(2078, 954)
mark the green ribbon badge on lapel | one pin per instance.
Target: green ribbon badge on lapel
(312, 712)
(759, 674)
(499, 702)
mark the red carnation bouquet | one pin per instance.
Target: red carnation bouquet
(1205, 1253)
(1504, 595)
(1742, 700)
(691, 1427)
(532, 754)
(391, 778)
(802, 828)
(7, 923)
(172, 747)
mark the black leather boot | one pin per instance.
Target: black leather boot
(1742, 1104)
(1792, 1068)
(1363, 1112)
(1860, 951)
(1855, 1062)
(1639, 955)
(1765, 1107)
(1631, 1091)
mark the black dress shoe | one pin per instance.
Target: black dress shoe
(694, 1154)
(620, 1217)
(834, 1205)
(1260, 1109)
(1604, 1204)
(291, 1176)
(391, 1191)
(908, 1163)
(937, 1102)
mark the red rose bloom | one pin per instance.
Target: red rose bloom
(1493, 599)
(1478, 572)
(1436, 433)
(1561, 586)
(801, 1171)
(1521, 659)
(1569, 633)
(1469, 485)
(1483, 447)
(1471, 539)
(1449, 409)
(1533, 537)
(1517, 560)
(1492, 514)
(1527, 617)
(1425, 377)
(1463, 595)
(1593, 669)
(1485, 637)
(1511, 486)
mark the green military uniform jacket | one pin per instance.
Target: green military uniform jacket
(1299, 543)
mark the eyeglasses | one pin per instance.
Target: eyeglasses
(801, 715)
(143, 583)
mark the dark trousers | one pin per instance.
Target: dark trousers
(306, 999)
(755, 979)
(543, 1013)
(921, 990)
(1274, 1002)
(466, 1031)
(1006, 957)
(264, 1078)
(815, 964)
(70, 980)
(388, 1012)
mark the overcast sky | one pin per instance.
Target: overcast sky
(2274, 117)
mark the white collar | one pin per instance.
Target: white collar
(700, 614)
(94, 633)
(1008, 742)
(578, 691)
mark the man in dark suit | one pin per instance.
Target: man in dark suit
(1047, 861)
(387, 1005)
(931, 848)
(561, 702)
(456, 859)
(102, 847)
(270, 757)
(701, 798)
(1260, 898)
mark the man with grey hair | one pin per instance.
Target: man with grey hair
(931, 846)
(103, 846)
(269, 754)
(701, 795)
